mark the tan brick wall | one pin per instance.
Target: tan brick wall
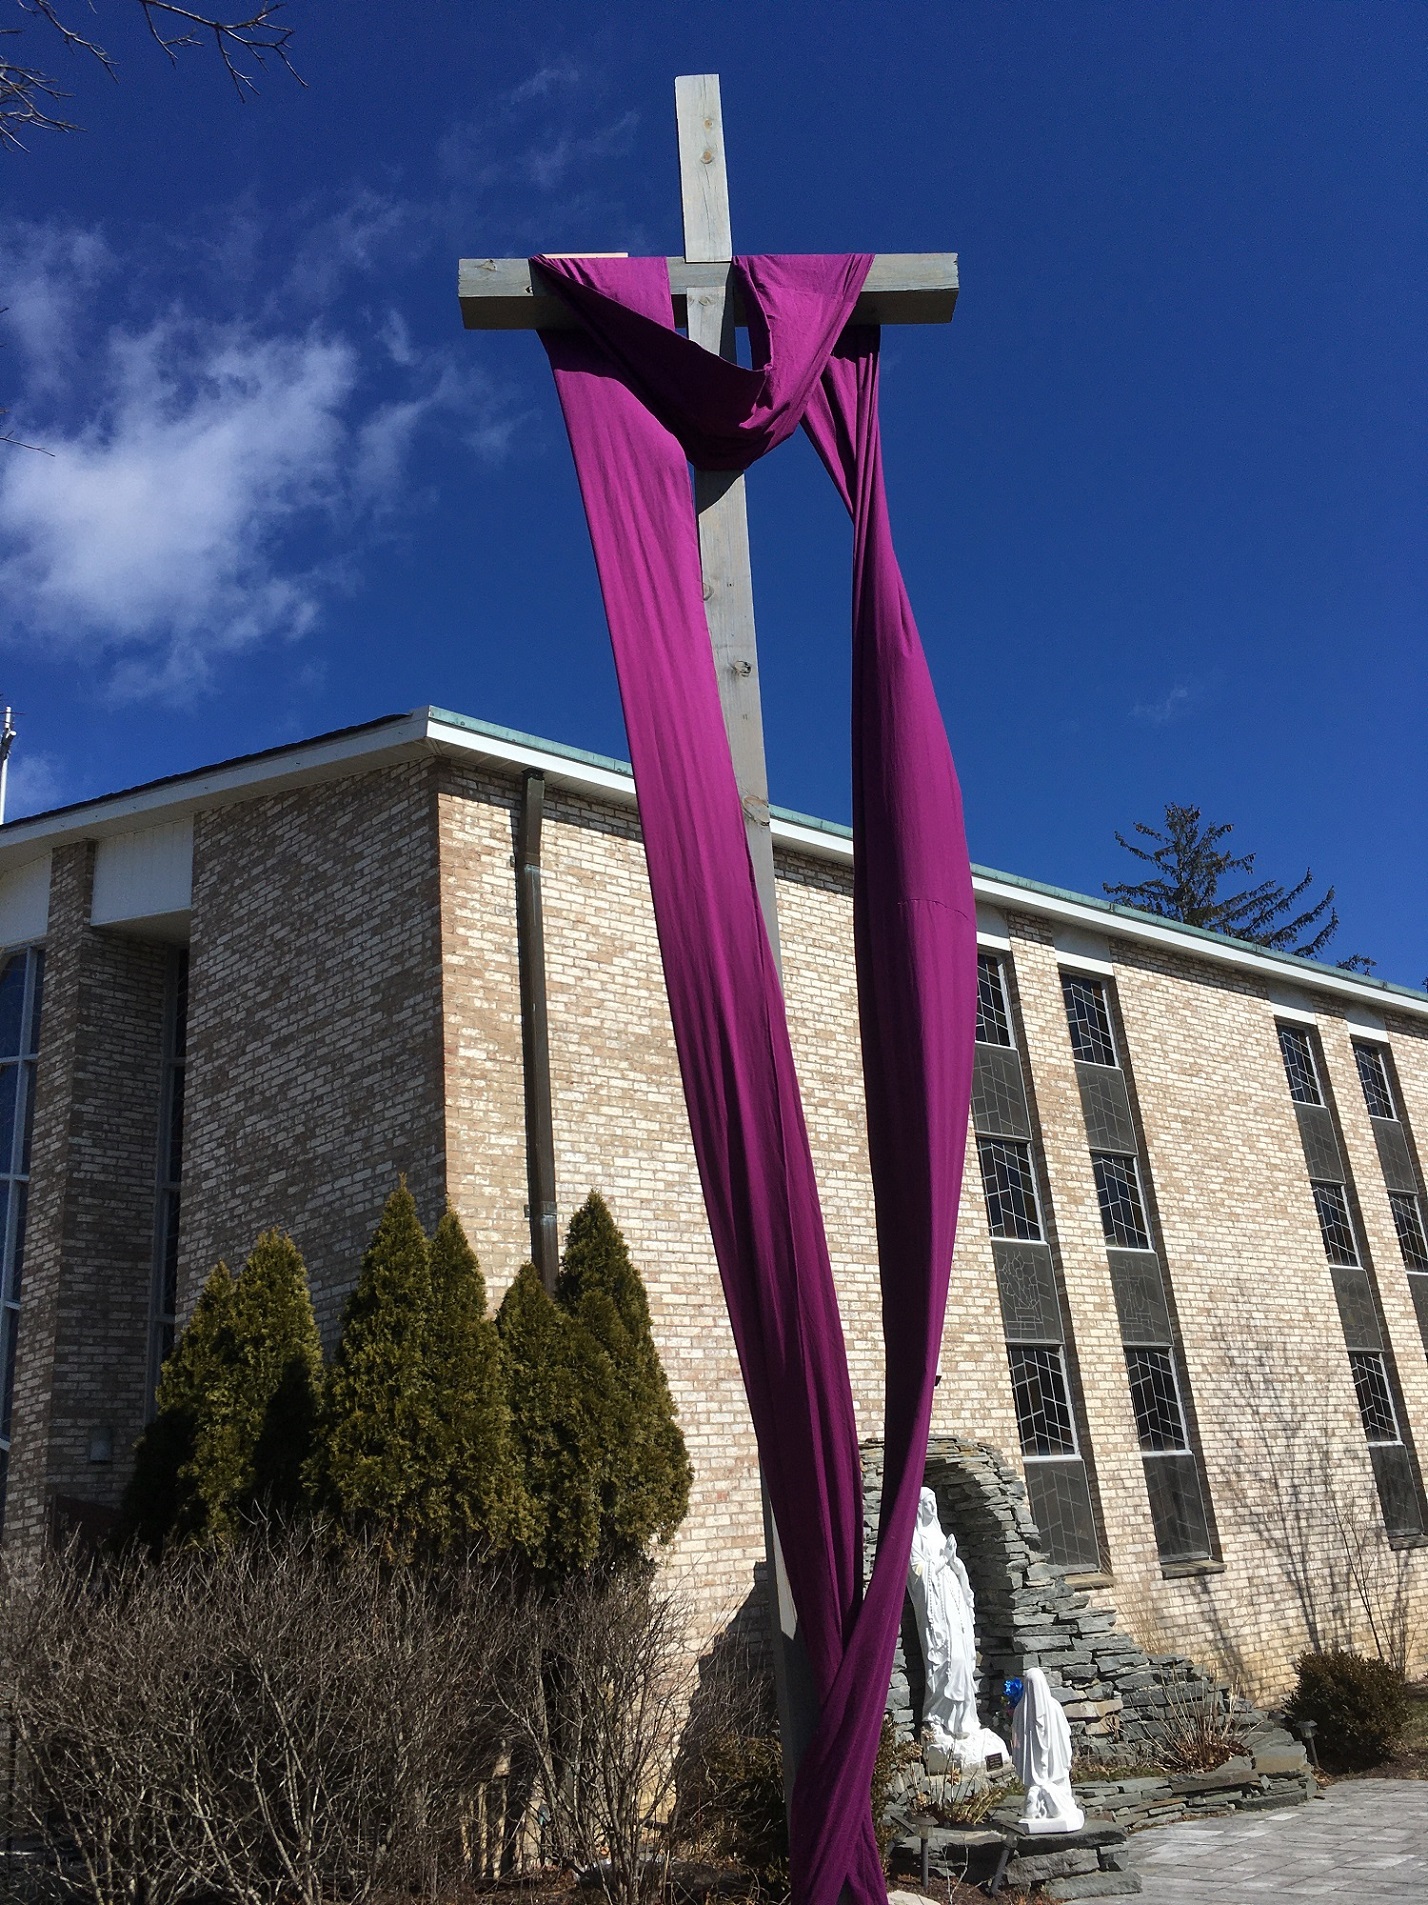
(1289, 1474)
(81, 1361)
(355, 1013)
(315, 1043)
(621, 1127)
(1244, 1260)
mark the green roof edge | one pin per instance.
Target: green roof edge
(1112, 908)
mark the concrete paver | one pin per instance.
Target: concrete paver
(1365, 1840)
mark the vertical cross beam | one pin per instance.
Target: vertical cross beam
(729, 605)
(718, 494)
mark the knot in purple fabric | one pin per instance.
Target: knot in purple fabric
(723, 416)
(638, 400)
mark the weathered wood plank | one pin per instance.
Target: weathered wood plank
(703, 178)
(722, 511)
(505, 294)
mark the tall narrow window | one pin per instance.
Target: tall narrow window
(1373, 1076)
(1370, 1354)
(993, 1022)
(21, 986)
(1335, 1225)
(1039, 1389)
(1299, 1066)
(1408, 1222)
(1173, 1486)
(1039, 1357)
(1088, 1020)
(1122, 1212)
(1009, 1186)
(1402, 1172)
(164, 1303)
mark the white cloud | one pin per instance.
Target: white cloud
(210, 479)
(1158, 713)
(152, 529)
(49, 271)
(562, 72)
(34, 783)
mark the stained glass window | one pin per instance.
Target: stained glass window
(1299, 1066)
(1334, 1223)
(1373, 1076)
(1159, 1420)
(1088, 1020)
(1122, 1213)
(1010, 1188)
(993, 1022)
(1408, 1222)
(1043, 1408)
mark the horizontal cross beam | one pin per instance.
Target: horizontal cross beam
(507, 294)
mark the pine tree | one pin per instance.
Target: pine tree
(237, 1406)
(162, 1501)
(647, 1477)
(485, 1498)
(380, 1464)
(1190, 865)
(561, 1389)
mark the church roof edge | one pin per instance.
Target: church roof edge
(442, 730)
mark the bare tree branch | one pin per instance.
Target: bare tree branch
(246, 45)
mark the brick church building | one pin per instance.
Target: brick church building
(1190, 1295)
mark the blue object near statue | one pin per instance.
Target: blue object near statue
(1013, 1691)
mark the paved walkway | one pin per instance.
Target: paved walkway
(1365, 1840)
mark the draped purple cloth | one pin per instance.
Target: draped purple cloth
(639, 400)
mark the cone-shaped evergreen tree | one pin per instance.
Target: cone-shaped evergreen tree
(237, 1406)
(162, 1501)
(645, 1492)
(381, 1463)
(485, 1498)
(255, 1458)
(561, 1386)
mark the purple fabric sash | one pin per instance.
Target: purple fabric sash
(638, 401)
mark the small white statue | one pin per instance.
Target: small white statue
(1041, 1747)
(942, 1601)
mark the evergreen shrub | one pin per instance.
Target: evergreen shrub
(237, 1407)
(562, 1399)
(381, 1462)
(645, 1489)
(485, 1496)
(1357, 1702)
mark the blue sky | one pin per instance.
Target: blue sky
(1158, 490)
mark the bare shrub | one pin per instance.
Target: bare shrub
(1199, 1728)
(729, 1776)
(595, 1702)
(269, 1719)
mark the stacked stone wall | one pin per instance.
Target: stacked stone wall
(1028, 1613)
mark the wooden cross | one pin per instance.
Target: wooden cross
(505, 294)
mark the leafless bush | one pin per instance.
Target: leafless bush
(268, 1720)
(1300, 1480)
(1199, 1727)
(729, 1801)
(595, 1705)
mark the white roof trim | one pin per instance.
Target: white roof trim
(409, 736)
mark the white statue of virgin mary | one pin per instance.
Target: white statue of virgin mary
(1041, 1747)
(942, 1600)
